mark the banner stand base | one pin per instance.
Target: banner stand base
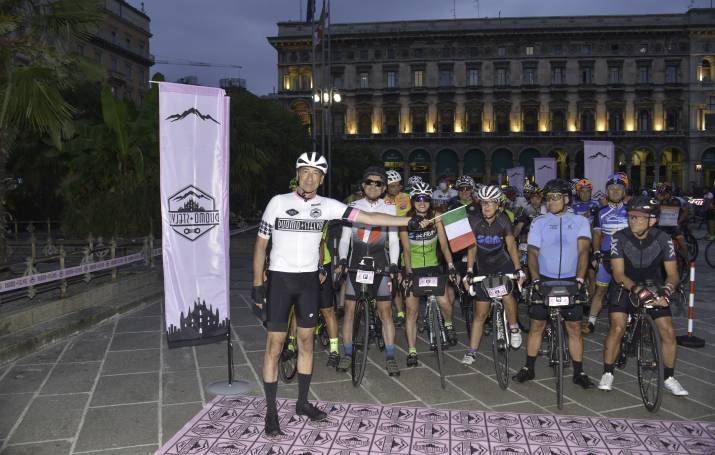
(237, 387)
(690, 341)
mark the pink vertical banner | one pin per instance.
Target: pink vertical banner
(598, 159)
(516, 178)
(194, 154)
(544, 170)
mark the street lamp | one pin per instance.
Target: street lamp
(326, 98)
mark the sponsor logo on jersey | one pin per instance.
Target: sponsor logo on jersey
(287, 224)
(292, 212)
(315, 213)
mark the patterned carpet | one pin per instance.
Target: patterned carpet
(234, 426)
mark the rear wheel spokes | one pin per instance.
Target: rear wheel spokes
(436, 335)
(650, 364)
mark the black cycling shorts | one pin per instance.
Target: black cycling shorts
(620, 302)
(540, 312)
(283, 290)
(326, 291)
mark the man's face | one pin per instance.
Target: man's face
(556, 202)
(393, 189)
(663, 195)
(584, 194)
(465, 192)
(615, 193)
(373, 186)
(639, 223)
(489, 208)
(309, 179)
(535, 200)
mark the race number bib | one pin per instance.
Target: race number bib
(428, 282)
(365, 277)
(668, 216)
(559, 301)
(497, 291)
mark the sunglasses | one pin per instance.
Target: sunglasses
(375, 183)
(465, 188)
(422, 199)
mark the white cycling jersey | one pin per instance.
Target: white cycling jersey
(296, 226)
(366, 240)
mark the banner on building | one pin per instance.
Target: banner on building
(544, 170)
(516, 178)
(193, 126)
(598, 164)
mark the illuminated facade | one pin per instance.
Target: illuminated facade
(476, 96)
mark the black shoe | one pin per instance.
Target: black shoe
(333, 359)
(451, 335)
(583, 380)
(523, 375)
(313, 413)
(392, 368)
(273, 427)
(412, 359)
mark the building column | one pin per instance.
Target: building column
(351, 115)
(656, 170)
(459, 116)
(460, 166)
(629, 118)
(431, 114)
(488, 170)
(377, 120)
(515, 123)
(658, 117)
(601, 116)
(488, 114)
(572, 120)
(544, 113)
(405, 124)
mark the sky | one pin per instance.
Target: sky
(233, 32)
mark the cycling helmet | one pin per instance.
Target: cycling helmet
(625, 177)
(558, 186)
(464, 180)
(375, 170)
(312, 159)
(393, 177)
(583, 183)
(414, 179)
(645, 205)
(420, 189)
(489, 193)
(510, 192)
(617, 179)
(529, 187)
(664, 187)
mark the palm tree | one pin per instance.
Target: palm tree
(36, 65)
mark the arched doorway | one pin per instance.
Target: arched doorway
(562, 163)
(502, 159)
(447, 163)
(708, 162)
(526, 159)
(620, 163)
(643, 169)
(474, 165)
(421, 164)
(671, 167)
(393, 159)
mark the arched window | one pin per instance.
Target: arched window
(644, 120)
(502, 121)
(558, 122)
(531, 120)
(588, 122)
(615, 120)
(364, 123)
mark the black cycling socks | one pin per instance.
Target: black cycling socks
(577, 367)
(668, 372)
(608, 368)
(271, 388)
(530, 362)
(303, 387)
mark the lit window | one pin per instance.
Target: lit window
(529, 50)
(364, 80)
(418, 78)
(391, 79)
(473, 77)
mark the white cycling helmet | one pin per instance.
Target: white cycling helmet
(393, 177)
(489, 193)
(464, 180)
(420, 189)
(312, 159)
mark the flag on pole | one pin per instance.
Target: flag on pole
(310, 16)
(458, 230)
(320, 27)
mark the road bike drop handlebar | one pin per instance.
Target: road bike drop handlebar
(480, 278)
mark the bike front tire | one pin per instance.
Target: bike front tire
(500, 346)
(361, 340)
(435, 331)
(650, 364)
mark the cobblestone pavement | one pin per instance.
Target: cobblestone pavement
(117, 389)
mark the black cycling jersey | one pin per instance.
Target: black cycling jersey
(491, 245)
(643, 258)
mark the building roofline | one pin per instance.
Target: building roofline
(138, 11)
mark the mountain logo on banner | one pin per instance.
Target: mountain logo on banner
(545, 166)
(193, 110)
(596, 155)
(192, 212)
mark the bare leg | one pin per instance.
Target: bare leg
(613, 339)
(481, 311)
(274, 346)
(413, 309)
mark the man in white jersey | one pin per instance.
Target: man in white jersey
(443, 193)
(294, 222)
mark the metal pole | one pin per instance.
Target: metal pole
(329, 122)
(312, 81)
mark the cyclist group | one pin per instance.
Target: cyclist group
(567, 238)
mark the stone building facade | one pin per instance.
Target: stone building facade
(476, 96)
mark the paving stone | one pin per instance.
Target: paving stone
(71, 378)
(571, 408)
(131, 362)
(252, 337)
(136, 450)
(12, 406)
(336, 391)
(640, 412)
(51, 417)
(216, 354)
(484, 389)
(179, 359)
(213, 374)
(174, 417)
(132, 341)
(118, 426)
(524, 407)
(151, 310)
(49, 354)
(126, 388)
(88, 347)
(44, 448)
(139, 324)
(180, 387)
(425, 385)
(387, 390)
(24, 378)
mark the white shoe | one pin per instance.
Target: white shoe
(515, 338)
(469, 358)
(606, 382)
(673, 386)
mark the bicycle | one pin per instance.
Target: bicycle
(557, 294)
(642, 340)
(431, 287)
(496, 287)
(366, 324)
(288, 360)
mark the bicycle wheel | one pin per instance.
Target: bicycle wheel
(500, 348)
(287, 364)
(683, 270)
(693, 247)
(469, 319)
(322, 329)
(361, 340)
(710, 254)
(436, 330)
(379, 339)
(650, 364)
(557, 331)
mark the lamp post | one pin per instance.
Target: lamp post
(325, 98)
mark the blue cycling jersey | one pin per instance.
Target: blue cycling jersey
(557, 237)
(610, 219)
(587, 209)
